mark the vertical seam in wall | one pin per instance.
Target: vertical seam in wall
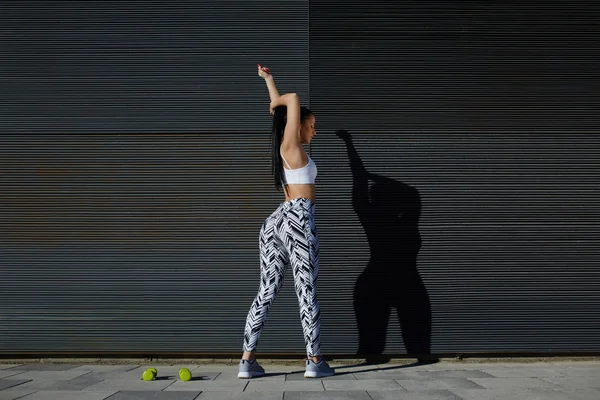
(308, 54)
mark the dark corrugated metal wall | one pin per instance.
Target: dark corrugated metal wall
(469, 116)
(522, 66)
(147, 66)
(483, 117)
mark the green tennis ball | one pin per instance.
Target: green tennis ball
(148, 375)
(154, 370)
(185, 374)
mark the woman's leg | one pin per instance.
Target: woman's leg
(273, 262)
(301, 240)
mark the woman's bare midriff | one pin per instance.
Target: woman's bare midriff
(299, 191)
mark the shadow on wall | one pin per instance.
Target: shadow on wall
(389, 212)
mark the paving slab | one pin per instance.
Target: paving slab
(148, 395)
(52, 375)
(522, 394)
(360, 368)
(47, 384)
(299, 376)
(522, 372)
(130, 374)
(105, 368)
(8, 366)
(309, 385)
(12, 394)
(47, 367)
(10, 372)
(366, 385)
(9, 383)
(509, 383)
(575, 382)
(592, 371)
(438, 384)
(473, 373)
(207, 385)
(62, 395)
(79, 383)
(204, 375)
(423, 395)
(130, 384)
(241, 396)
(232, 376)
(582, 394)
(329, 395)
(391, 374)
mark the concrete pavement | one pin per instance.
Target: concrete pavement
(447, 380)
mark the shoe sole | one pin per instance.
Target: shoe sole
(249, 375)
(317, 374)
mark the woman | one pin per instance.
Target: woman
(289, 234)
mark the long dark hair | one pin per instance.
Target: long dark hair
(279, 121)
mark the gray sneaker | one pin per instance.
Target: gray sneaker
(318, 370)
(250, 369)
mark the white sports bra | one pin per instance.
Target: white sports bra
(304, 175)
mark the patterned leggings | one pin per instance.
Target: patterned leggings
(288, 236)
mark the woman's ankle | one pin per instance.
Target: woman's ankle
(316, 359)
(249, 356)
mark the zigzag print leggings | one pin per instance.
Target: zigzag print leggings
(288, 236)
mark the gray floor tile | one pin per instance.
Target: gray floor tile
(582, 394)
(424, 395)
(213, 375)
(12, 394)
(130, 384)
(47, 367)
(308, 385)
(62, 395)
(455, 374)
(360, 368)
(240, 396)
(299, 376)
(510, 383)
(593, 371)
(105, 368)
(206, 385)
(145, 395)
(52, 375)
(79, 383)
(392, 374)
(438, 384)
(9, 383)
(328, 395)
(10, 372)
(522, 372)
(576, 382)
(269, 377)
(362, 385)
(48, 384)
(514, 394)
(8, 366)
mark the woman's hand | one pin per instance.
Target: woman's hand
(263, 72)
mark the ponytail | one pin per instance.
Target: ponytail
(277, 130)
(279, 120)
